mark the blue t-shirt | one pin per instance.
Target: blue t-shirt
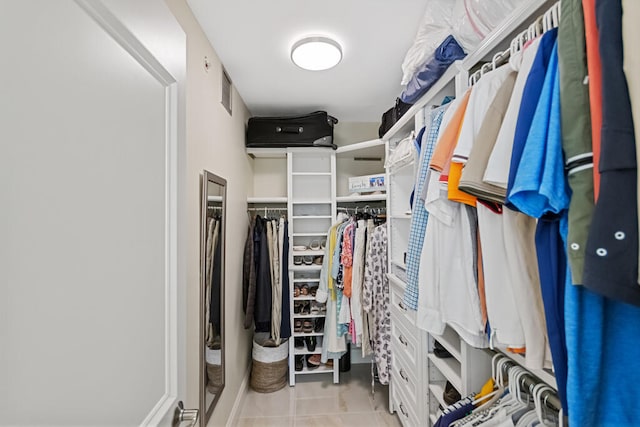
(539, 187)
(530, 97)
(540, 190)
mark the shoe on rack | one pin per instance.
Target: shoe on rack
(307, 259)
(313, 361)
(304, 290)
(439, 351)
(319, 325)
(297, 325)
(315, 308)
(450, 394)
(307, 326)
(306, 308)
(296, 291)
(299, 362)
(318, 260)
(314, 245)
(298, 342)
(311, 343)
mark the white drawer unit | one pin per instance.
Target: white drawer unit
(396, 290)
(405, 343)
(406, 412)
(405, 379)
(408, 365)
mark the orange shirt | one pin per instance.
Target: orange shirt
(594, 68)
(449, 138)
(455, 172)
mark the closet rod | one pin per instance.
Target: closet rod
(365, 210)
(546, 22)
(529, 381)
(549, 398)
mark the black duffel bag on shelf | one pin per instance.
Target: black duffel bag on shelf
(309, 130)
(392, 115)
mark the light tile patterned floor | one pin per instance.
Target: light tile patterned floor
(316, 401)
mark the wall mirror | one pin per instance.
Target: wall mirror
(212, 248)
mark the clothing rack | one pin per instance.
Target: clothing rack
(365, 210)
(527, 383)
(266, 210)
(549, 20)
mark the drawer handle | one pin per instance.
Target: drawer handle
(402, 307)
(403, 375)
(403, 340)
(404, 412)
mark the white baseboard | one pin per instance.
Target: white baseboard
(237, 404)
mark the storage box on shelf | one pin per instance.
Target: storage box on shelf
(353, 163)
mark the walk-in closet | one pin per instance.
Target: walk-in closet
(432, 220)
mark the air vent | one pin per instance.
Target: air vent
(226, 91)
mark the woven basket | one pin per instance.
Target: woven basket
(269, 368)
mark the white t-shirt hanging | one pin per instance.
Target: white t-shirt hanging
(481, 97)
(497, 171)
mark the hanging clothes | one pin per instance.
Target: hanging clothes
(594, 322)
(611, 266)
(630, 31)
(333, 345)
(368, 327)
(262, 311)
(216, 289)
(357, 313)
(249, 276)
(595, 86)
(419, 216)
(530, 98)
(448, 292)
(285, 325)
(376, 301)
(276, 285)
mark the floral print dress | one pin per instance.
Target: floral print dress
(375, 300)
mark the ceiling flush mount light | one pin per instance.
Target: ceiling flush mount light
(316, 53)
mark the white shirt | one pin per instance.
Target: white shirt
(497, 172)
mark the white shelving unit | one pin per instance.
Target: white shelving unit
(311, 203)
(469, 367)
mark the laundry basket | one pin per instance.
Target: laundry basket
(270, 364)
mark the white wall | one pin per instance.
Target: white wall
(215, 141)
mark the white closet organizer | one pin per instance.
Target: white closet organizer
(307, 182)
(418, 377)
(311, 190)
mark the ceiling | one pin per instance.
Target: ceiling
(253, 40)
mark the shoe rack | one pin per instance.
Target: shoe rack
(311, 204)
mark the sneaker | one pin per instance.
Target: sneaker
(299, 364)
(298, 342)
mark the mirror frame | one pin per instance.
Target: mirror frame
(205, 179)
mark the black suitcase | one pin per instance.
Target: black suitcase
(310, 130)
